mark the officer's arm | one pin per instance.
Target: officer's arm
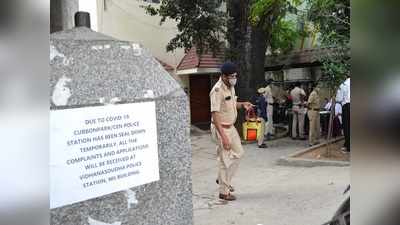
(310, 99)
(245, 105)
(217, 123)
(216, 100)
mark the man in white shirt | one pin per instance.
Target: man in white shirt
(343, 98)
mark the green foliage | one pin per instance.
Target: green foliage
(200, 23)
(284, 36)
(332, 18)
(283, 32)
(260, 9)
(335, 67)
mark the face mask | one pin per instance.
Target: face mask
(232, 81)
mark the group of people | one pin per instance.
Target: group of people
(224, 107)
(301, 105)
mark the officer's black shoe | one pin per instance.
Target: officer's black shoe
(263, 145)
(227, 197)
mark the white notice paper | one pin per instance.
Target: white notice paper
(96, 151)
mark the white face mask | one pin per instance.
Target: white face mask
(232, 81)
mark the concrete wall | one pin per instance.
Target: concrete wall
(297, 74)
(126, 20)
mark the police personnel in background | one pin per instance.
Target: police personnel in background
(298, 95)
(313, 106)
(270, 109)
(224, 107)
(343, 98)
(261, 115)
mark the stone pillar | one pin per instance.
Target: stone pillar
(93, 73)
(62, 14)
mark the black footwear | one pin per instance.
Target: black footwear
(316, 143)
(302, 138)
(227, 197)
(231, 189)
(263, 145)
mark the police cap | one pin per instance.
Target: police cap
(228, 68)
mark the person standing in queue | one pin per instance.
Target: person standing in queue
(224, 107)
(343, 98)
(261, 115)
(298, 95)
(313, 105)
(270, 109)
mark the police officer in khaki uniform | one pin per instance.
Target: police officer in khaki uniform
(224, 107)
(313, 105)
(298, 95)
(269, 98)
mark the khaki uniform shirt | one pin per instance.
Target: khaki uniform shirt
(313, 100)
(223, 100)
(296, 95)
(268, 95)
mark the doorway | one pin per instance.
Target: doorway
(200, 114)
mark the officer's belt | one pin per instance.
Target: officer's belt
(314, 109)
(224, 125)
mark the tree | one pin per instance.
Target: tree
(249, 26)
(332, 19)
(253, 27)
(200, 23)
(284, 36)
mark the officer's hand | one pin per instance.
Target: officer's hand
(226, 143)
(247, 105)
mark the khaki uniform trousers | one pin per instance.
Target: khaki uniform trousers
(298, 119)
(260, 139)
(228, 161)
(313, 116)
(270, 123)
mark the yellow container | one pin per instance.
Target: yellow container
(252, 130)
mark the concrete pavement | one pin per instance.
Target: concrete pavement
(267, 194)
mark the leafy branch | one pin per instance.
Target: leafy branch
(199, 23)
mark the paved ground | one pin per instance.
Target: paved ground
(267, 194)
